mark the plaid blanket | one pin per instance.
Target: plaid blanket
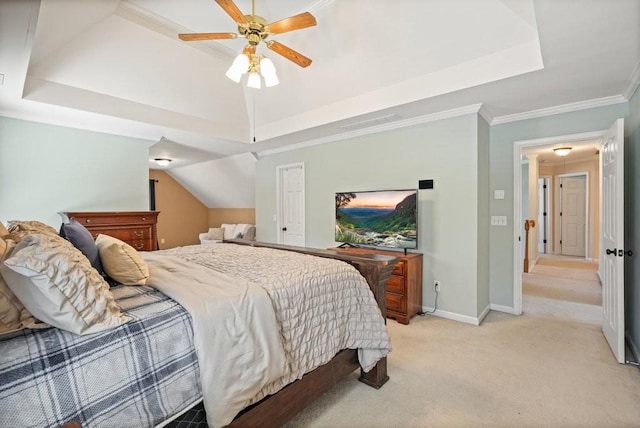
(135, 375)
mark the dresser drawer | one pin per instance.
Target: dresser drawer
(141, 245)
(127, 234)
(396, 285)
(398, 269)
(114, 219)
(396, 302)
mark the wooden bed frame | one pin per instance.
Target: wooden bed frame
(277, 409)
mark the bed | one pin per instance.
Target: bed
(171, 358)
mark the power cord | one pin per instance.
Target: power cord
(435, 307)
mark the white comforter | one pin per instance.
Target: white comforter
(317, 305)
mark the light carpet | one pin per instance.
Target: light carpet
(550, 367)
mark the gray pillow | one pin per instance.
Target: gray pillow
(82, 239)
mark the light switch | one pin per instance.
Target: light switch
(498, 194)
(498, 220)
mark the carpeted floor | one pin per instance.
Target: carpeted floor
(550, 367)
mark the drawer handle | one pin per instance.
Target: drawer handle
(138, 233)
(139, 246)
(88, 220)
(144, 219)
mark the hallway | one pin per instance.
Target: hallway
(566, 288)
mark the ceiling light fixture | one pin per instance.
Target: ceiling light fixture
(162, 161)
(562, 151)
(258, 66)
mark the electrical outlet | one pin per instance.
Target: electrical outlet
(436, 285)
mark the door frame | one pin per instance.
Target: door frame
(280, 169)
(548, 180)
(587, 230)
(517, 201)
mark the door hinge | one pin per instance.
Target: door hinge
(518, 239)
(544, 186)
(544, 214)
(561, 242)
(544, 241)
(560, 213)
(561, 185)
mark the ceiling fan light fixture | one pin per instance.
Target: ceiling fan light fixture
(562, 151)
(254, 80)
(270, 80)
(239, 66)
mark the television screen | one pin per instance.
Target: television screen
(384, 218)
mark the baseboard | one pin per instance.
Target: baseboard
(502, 308)
(484, 313)
(452, 316)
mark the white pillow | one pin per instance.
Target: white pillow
(229, 230)
(241, 229)
(58, 285)
(121, 261)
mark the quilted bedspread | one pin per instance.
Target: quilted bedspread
(321, 305)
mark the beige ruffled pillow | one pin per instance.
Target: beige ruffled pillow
(13, 314)
(121, 261)
(57, 284)
(30, 226)
(215, 233)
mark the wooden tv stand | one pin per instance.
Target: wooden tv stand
(404, 289)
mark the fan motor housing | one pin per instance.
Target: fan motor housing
(255, 30)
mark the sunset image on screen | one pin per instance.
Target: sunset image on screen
(377, 218)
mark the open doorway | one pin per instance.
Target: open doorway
(538, 160)
(610, 206)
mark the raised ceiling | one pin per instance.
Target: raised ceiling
(118, 66)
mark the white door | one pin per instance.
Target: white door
(612, 238)
(291, 210)
(573, 215)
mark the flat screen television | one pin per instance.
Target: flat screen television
(380, 218)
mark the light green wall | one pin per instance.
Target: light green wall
(483, 220)
(632, 229)
(45, 169)
(501, 163)
(445, 151)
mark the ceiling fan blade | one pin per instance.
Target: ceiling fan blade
(232, 10)
(190, 37)
(289, 53)
(292, 23)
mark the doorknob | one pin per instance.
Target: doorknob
(284, 229)
(609, 252)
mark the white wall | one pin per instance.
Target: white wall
(221, 183)
(446, 151)
(45, 169)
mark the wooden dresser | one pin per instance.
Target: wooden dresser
(404, 289)
(136, 228)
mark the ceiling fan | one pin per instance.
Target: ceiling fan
(256, 29)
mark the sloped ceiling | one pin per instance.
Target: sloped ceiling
(118, 66)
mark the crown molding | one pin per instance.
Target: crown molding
(486, 114)
(634, 82)
(462, 111)
(154, 22)
(564, 108)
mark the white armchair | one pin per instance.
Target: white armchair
(228, 231)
